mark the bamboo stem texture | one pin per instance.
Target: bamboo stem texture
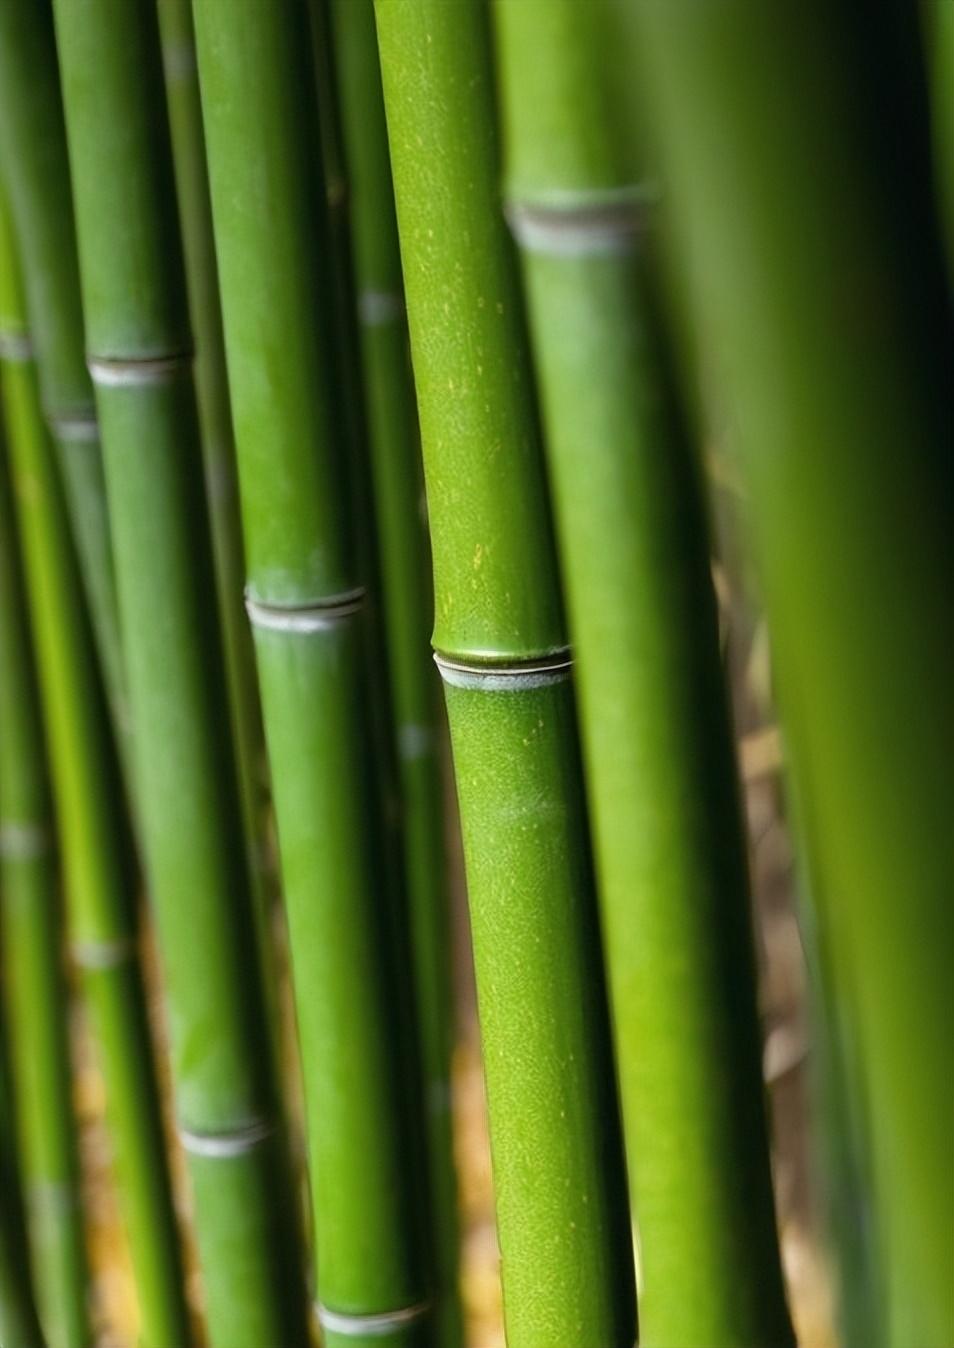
(661, 776)
(306, 604)
(560, 1191)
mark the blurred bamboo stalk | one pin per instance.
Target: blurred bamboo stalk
(35, 1006)
(404, 566)
(19, 1323)
(93, 834)
(669, 845)
(561, 1211)
(139, 352)
(829, 318)
(37, 184)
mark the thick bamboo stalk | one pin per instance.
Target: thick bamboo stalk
(404, 567)
(560, 1189)
(37, 182)
(821, 290)
(19, 1322)
(939, 37)
(305, 602)
(660, 771)
(139, 354)
(93, 833)
(35, 1001)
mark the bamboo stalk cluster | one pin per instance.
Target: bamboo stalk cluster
(260, 265)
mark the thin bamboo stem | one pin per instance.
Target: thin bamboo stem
(306, 603)
(35, 1003)
(660, 771)
(218, 457)
(92, 832)
(827, 313)
(19, 1323)
(37, 183)
(139, 354)
(560, 1192)
(404, 567)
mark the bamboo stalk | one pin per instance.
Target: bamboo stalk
(661, 776)
(305, 601)
(35, 1003)
(37, 182)
(92, 831)
(218, 456)
(827, 312)
(560, 1192)
(396, 479)
(139, 354)
(19, 1323)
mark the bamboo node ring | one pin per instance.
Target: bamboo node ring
(377, 307)
(66, 427)
(221, 1146)
(372, 1326)
(124, 373)
(512, 678)
(601, 223)
(99, 955)
(311, 618)
(23, 842)
(15, 345)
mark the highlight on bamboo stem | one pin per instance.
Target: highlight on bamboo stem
(581, 367)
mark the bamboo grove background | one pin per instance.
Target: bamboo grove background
(650, 302)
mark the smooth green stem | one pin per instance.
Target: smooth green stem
(138, 343)
(808, 225)
(306, 602)
(93, 834)
(19, 1322)
(560, 1190)
(37, 182)
(35, 1002)
(218, 456)
(397, 486)
(660, 771)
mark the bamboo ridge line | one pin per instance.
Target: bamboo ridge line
(123, 372)
(581, 224)
(316, 617)
(371, 1326)
(511, 677)
(226, 1144)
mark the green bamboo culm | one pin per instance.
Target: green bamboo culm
(827, 316)
(668, 838)
(397, 487)
(19, 1322)
(92, 831)
(35, 1004)
(939, 37)
(305, 601)
(37, 183)
(139, 347)
(560, 1189)
(218, 454)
